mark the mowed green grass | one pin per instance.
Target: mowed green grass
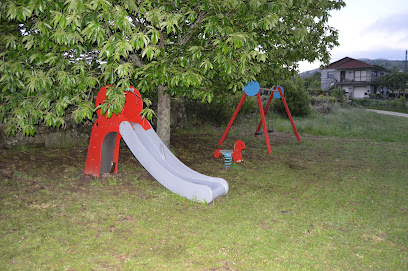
(349, 122)
(327, 203)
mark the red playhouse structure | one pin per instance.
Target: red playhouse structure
(252, 89)
(103, 150)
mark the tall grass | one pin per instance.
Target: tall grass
(326, 204)
(349, 122)
(397, 105)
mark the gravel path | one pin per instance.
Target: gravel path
(389, 113)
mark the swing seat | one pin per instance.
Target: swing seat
(261, 132)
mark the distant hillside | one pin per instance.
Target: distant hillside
(387, 64)
(310, 73)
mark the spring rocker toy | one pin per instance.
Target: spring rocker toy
(149, 150)
(252, 89)
(231, 155)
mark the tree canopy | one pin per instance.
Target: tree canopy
(56, 55)
(394, 81)
(313, 83)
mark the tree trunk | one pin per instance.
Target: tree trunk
(163, 116)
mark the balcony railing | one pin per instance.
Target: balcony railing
(343, 81)
(362, 79)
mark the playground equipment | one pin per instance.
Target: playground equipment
(231, 155)
(149, 150)
(252, 89)
(269, 117)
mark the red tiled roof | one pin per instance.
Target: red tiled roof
(350, 63)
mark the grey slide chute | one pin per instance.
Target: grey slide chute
(166, 168)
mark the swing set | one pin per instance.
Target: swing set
(252, 89)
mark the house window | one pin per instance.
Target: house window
(330, 74)
(360, 76)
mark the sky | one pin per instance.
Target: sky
(369, 29)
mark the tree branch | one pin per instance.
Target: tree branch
(194, 27)
(136, 60)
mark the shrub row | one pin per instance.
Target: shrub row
(218, 112)
(398, 105)
(221, 109)
(299, 102)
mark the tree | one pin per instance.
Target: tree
(338, 94)
(297, 98)
(394, 81)
(60, 52)
(313, 83)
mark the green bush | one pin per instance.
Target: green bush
(398, 105)
(401, 103)
(220, 111)
(322, 100)
(319, 91)
(338, 94)
(323, 103)
(297, 99)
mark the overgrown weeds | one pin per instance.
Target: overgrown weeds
(349, 122)
(396, 105)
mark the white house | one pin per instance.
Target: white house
(358, 79)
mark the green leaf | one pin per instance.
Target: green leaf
(150, 52)
(154, 38)
(10, 41)
(83, 111)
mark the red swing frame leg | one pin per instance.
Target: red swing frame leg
(289, 115)
(268, 144)
(241, 102)
(265, 111)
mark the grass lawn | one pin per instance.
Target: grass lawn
(336, 201)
